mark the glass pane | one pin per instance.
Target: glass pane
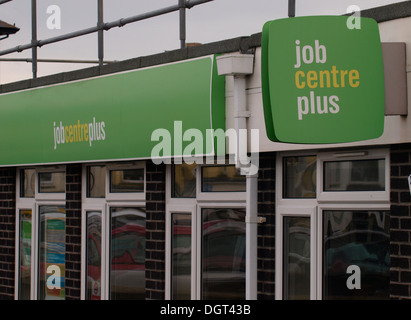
(128, 253)
(96, 182)
(184, 181)
(131, 180)
(27, 184)
(361, 239)
(52, 182)
(52, 253)
(222, 179)
(25, 255)
(296, 273)
(181, 263)
(93, 281)
(300, 177)
(359, 175)
(223, 254)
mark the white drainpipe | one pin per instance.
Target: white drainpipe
(239, 66)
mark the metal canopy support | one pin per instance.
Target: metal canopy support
(291, 8)
(104, 26)
(100, 22)
(100, 28)
(182, 5)
(34, 37)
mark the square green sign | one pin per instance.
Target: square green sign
(322, 80)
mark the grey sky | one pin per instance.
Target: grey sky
(213, 21)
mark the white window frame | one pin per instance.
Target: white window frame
(296, 211)
(104, 205)
(180, 209)
(194, 206)
(353, 196)
(216, 196)
(125, 196)
(33, 204)
(325, 200)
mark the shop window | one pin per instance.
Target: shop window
(52, 252)
(300, 179)
(127, 254)
(27, 183)
(114, 235)
(343, 225)
(93, 253)
(181, 266)
(96, 181)
(297, 265)
(183, 181)
(41, 214)
(361, 239)
(222, 179)
(223, 254)
(358, 175)
(205, 232)
(52, 182)
(130, 180)
(25, 257)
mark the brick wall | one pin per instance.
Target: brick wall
(266, 231)
(7, 232)
(155, 231)
(73, 232)
(400, 232)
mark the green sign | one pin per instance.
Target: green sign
(323, 82)
(111, 117)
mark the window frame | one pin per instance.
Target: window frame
(111, 200)
(203, 200)
(353, 196)
(324, 201)
(125, 196)
(33, 204)
(295, 211)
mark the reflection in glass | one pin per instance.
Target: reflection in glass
(184, 181)
(296, 272)
(127, 254)
(359, 238)
(223, 254)
(25, 255)
(96, 182)
(300, 177)
(181, 259)
(27, 184)
(359, 175)
(52, 253)
(52, 182)
(222, 179)
(130, 180)
(93, 281)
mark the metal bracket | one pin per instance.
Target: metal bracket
(244, 114)
(257, 220)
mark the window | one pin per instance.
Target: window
(333, 216)
(181, 239)
(114, 234)
(297, 266)
(359, 238)
(205, 232)
(223, 254)
(41, 233)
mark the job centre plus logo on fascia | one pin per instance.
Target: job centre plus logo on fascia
(322, 81)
